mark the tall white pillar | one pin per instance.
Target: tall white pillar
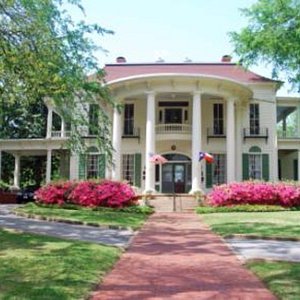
(150, 142)
(49, 122)
(17, 171)
(63, 128)
(48, 166)
(196, 142)
(116, 143)
(230, 140)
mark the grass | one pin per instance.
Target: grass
(34, 267)
(282, 278)
(131, 217)
(283, 224)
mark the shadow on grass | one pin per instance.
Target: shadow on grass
(37, 267)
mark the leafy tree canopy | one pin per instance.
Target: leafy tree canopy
(46, 54)
(272, 36)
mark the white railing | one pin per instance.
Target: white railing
(173, 128)
(60, 134)
(287, 134)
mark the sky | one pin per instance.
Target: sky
(172, 30)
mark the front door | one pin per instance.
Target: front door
(174, 178)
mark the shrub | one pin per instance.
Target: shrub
(55, 193)
(104, 193)
(254, 192)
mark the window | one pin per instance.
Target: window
(128, 168)
(93, 119)
(254, 119)
(219, 169)
(129, 119)
(255, 166)
(92, 166)
(218, 119)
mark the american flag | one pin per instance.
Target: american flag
(206, 156)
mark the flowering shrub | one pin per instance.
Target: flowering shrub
(55, 193)
(105, 193)
(253, 192)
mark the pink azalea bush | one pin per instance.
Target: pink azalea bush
(104, 193)
(254, 192)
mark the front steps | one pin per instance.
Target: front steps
(172, 202)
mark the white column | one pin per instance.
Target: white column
(49, 122)
(150, 142)
(196, 142)
(63, 128)
(48, 166)
(116, 143)
(230, 140)
(17, 171)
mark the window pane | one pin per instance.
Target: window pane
(128, 119)
(93, 166)
(128, 168)
(255, 166)
(219, 169)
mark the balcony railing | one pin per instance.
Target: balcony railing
(287, 134)
(215, 133)
(257, 132)
(173, 129)
(60, 134)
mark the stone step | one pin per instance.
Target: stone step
(169, 203)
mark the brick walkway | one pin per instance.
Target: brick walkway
(175, 256)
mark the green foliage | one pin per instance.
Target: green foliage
(44, 54)
(240, 208)
(36, 267)
(272, 36)
(282, 278)
(125, 218)
(4, 186)
(277, 224)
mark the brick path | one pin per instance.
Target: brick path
(175, 256)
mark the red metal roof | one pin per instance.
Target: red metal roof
(228, 70)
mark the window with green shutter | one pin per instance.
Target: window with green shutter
(137, 169)
(102, 165)
(265, 167)
(209, 178)
(82, 166)
(245, 161)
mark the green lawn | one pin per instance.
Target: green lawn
(283, 224)
(34, 267)
(133, 218)
(282, 278)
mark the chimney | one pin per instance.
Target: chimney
(121, 60)
(226, 58)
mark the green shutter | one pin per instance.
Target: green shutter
(102, 166)
(137, 169)
(245, 166)
(208, 175)
(265, 167)
(82, 166)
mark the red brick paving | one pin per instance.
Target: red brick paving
(175, 256)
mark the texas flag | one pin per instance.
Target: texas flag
(206, 156)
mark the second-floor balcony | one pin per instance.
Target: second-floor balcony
(256, 132)
(176, 130)
(60, 134)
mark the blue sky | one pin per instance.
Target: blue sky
(169, 29)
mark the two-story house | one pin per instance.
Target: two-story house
(177, 110)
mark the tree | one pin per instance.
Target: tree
(44, 53)
(273, 37)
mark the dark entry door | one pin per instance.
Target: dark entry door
(174, 178)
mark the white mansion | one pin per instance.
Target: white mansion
(177, 110)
